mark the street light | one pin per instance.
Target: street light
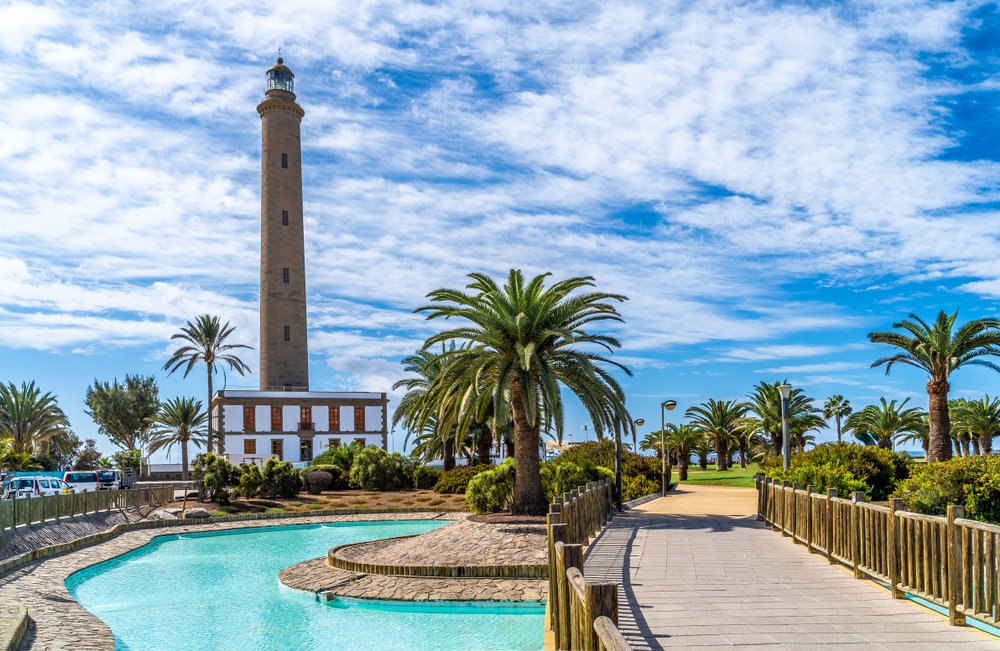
(786, 447)
(584, 433)
(618, 459)
(668, 405)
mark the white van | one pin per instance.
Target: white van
(34, 487)
(82, 481)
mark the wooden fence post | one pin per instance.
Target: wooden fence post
(810, 491)
(561, 624)
(892, 548)
(784, 507)
(955, 557)
(600, 599)
(831, 493)
(554, 514)
(572, 558)
(796, 487)
(858, 499)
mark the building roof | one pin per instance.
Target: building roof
(301, 395)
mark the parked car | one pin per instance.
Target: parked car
(112, 479)
(82, 481)
(34, 487)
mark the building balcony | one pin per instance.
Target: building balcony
(306, 426)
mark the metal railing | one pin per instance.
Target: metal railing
(951, 561)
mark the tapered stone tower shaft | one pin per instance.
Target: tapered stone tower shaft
(284, 355)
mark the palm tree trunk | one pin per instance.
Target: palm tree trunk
(742, 445)
(448, 455)
(776, 443)
(211, 440)
(885, 443)
(721, 454)
(703, 461)
(508, 449)
(184, 460)
(940, 422)
(965, 447)
(838, 428)
(484, 444)
(986, 444)
(683, 472)
(975, 447)
(529, 498)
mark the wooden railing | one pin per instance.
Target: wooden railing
(27, 511)
(948, 561)
(583, 614)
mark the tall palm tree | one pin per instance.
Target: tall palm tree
(885, 422)
(980, 419)
(426, 366)
(207, 343)
(28, 417)
(683, 440)
(719, 421)
(939, 352)
(765, 403)
(837, 407)
(182, 421)
(518, 347)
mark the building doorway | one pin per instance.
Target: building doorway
(305, 450)
(278, 449)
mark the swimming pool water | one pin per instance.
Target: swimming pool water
(220, 591)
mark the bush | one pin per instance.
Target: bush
(560, 476)
(338, 477)
(227, 510)
(635, 487)
(47, 462)
(457, 480)
(376, 470)
(316, 481)
(973, 482)
(211, 476)
(842, 465)
(492, 491)
(424, 477)
(602, 453)
(251, 482)
(343, 458)
(280, 479)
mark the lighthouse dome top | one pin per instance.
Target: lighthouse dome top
(279, 77)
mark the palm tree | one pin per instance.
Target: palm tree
(765, 403)
(426, 366)
(180, 420)
(920, 435)
(206, 343)
(29, 418)
(837, 407)
(652, 442)
(886, 422)
(980, 419)
(939, 352)
(703, 449)
(520, 346)
(683, 440)
(719, 421)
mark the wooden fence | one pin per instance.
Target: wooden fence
(583, 614)
(948, 561)
(26, 511)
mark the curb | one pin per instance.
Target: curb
(13, 625)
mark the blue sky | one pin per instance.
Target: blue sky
(767, 182)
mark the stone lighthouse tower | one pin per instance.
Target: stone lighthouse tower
(284, 354)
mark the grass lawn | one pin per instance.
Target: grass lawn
(735, 477)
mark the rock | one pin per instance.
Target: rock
(193, 494)
(172, 511)
(316, 482)
(162, 514)
(196, 513)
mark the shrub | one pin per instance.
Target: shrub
(637, 486)
(457, 480)
(316, 482)
(491, 491)
(376, 470)
(211, 476)
(251, 481)
(295, 504)
(424, 477)
(602, 453)
(846, 464)
(973, 482)
(338, 478)
(343, 458)
(436, 502)
(560, 476)
(280, 479)
(228, 509)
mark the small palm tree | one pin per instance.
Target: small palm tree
(980, 419)
(703, 449)
(520, 345)
(652, 442)
(29, 418)
(683, 440)
(206, 343)
(939, 352)
(887, 421)
(719, 421)
(182, 421)
(920, 435)
(837, 407)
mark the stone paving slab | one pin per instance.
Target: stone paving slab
(56, 622)
(690, 577)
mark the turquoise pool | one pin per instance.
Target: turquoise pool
(220, 590)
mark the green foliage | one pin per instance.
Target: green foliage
(637, 486)
(457, 480)
(424, 477)
(227, 510)
(251, 482)
(211, 478)
(376, 470)
(29, 418)
(280, 479)
(491, 491)
(973, 482)
(88, 457)
(121, 460)
(559, 476)
(343, 458)
(842, 466)
(46, 461)
(602, 453)
(122, 411)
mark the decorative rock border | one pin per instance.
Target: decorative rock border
(13, 624)
(523, 571)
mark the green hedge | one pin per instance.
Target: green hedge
(847, 467)
(973, 482)
(602, 453)
(457, 480)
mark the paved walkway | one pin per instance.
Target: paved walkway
(697, 570)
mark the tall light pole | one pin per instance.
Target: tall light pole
(668, 405)
(584, 433)
(786, 444)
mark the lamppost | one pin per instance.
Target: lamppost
(668, 405)
(618, 459)
(786, 444)
(584, 433)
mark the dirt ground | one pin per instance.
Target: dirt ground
(349, 499)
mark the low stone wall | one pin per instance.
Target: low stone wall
(524, 570)
(13, 624)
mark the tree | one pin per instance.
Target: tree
(16, 461)
(652, 442)
(885, 422)
(122, 411)
(207, 343)
(89, 456)
(980, 419)
(182, 421)
(765, 403)
(683, 440)
(920, 435)
(939, 352)
(837, 407)
(719, 421)
(414, 406)
(520, 346)
(703, 449)
(28, 417)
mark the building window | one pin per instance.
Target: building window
(284, 160)
(305, 419)
(359, 442)
(249, 418)
(249, 446)
(335, 420)
(276, 419)
(284, 218)
(288, 333)
(284, 275)
(359, 419)
(278, 449)
(334, 443)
